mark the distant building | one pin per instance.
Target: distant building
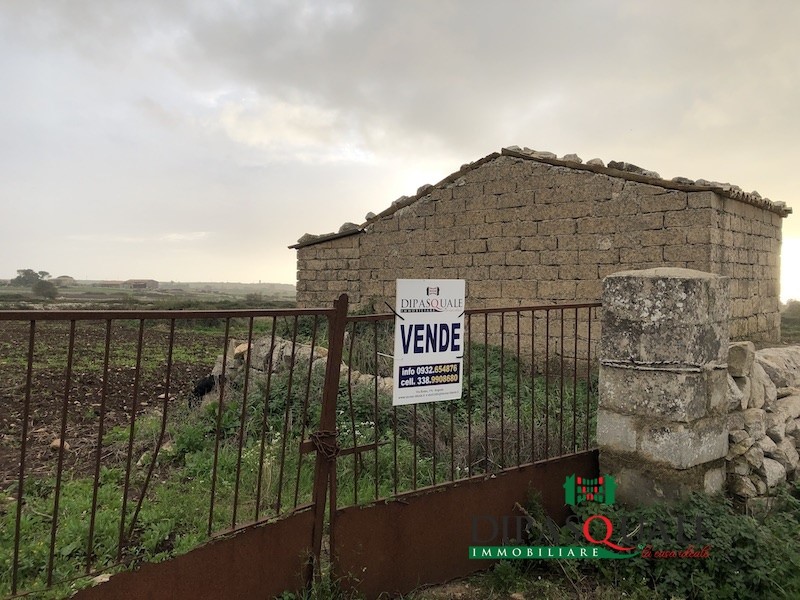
(64, 281)
(141, 284)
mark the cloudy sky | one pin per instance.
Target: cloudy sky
(197, 139)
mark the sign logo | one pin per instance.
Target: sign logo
(593, 536)
(579, 489)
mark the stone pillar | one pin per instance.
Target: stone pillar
(661, 423)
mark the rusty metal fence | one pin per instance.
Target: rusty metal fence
(409, 477)
(529, 395)
(129, 437)
(111, 455)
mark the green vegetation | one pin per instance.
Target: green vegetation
(45, 289)
(749, 557)
(37, 281)
(29, 277)
(790, 323)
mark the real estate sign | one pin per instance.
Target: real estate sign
(428, 340)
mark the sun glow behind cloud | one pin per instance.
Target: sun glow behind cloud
(110, 238)
(790, 269)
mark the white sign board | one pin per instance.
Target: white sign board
(428, 340)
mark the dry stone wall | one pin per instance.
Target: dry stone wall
(527, 229)
(763, 423)
(681, 409)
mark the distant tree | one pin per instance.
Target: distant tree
(45, 289)
(28, 277)
(792, 308)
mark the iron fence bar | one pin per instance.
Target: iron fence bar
(433, 429)
(469, 394)
(305, 410)
(467, 312)
(375, 403)
(519, 393)
(62, 444)
(394, 444)
(561, 387)
(414, 443)
(163, 430)
(99, 453)
(547, 385)
(23, 448)
(352, 411)
(502, 389)
(588, 378)
(154, 315)
(575, 386)
(533, 386)
(287, 416)
(218, 428)
(486, 393)
(132, 430)
(452, 409)
(537, 307)
(242, 419)
(265, 418)
(325, 480)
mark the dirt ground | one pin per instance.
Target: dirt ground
(73, 413)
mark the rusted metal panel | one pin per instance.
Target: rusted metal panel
(259, 562)
(395, 546)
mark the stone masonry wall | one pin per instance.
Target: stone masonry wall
(763, 420)
(683, 410)
(661, 421)
(523, 232)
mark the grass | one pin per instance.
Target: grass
(790, 329)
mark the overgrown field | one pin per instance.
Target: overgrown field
(790, 324)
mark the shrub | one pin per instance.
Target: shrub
(750, 557)
(45, 289)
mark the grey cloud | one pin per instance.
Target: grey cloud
(267, 119)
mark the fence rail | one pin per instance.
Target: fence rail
(131, 436)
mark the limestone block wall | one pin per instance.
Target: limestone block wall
(763, 421)
(524, 229)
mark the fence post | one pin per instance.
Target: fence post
(325, 439)
(661, 423)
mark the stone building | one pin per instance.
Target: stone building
(524, 227)
(141, 284)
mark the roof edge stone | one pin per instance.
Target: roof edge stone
(620, 170)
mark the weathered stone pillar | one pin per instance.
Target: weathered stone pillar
(661, 424)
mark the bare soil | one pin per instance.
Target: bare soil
(72, 413)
